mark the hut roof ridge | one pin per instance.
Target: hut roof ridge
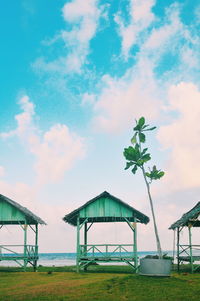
(68, 217)
(187, 217)
(24, 210)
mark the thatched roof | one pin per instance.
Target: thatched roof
(31, 218)
(191, 217)
(71, 218)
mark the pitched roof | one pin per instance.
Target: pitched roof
(71, 218)
(189, 218)
(31, 217)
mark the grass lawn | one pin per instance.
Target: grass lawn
(100, 283)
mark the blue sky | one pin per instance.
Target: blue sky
(74, 76)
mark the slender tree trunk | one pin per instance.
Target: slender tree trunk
(153, 215)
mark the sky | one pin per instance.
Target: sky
(74, 77)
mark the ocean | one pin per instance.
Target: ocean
(67, 259)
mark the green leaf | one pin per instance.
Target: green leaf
(137, 152)
(155, 174)
(136, 128)
(142, 137)
(146, 157)
(140, 162)
(134, 139)
(134, 169)
(129, 153)
(141, 122)
(161, 174)
(150, 129)
(144, 151)
(148, 174)
(128, 164)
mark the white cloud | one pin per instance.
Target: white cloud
(88, 99)
(190, 57)
(141, 10)
(124, 99)
(182, 137)
(141, 16)
(84, 19)
(75, 10)
(162, 36)
(56, 151)
(24, 120)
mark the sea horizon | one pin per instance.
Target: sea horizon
(68, 259)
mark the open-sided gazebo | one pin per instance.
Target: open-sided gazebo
(105, 208)
(12, 213)
(187, 252)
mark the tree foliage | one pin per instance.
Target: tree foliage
(137, 156)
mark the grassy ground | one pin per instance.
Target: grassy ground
(100, 283)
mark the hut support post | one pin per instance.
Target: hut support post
(78, 245)
(178, 248)
(174, 245)
(85, 244)
(190, 246)
(25, 246)
(135, 245)
(36, 248)
(85, 238)
(134, 229)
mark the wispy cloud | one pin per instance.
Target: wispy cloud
(55, 150)
(121, 100)
(24, 120)
(141, 16)
(83, 21)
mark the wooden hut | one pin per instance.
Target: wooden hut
(105, 208)
(12, 213)
(187, 252)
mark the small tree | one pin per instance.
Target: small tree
(137, 157)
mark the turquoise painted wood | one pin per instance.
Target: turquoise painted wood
(89, 254)
(12, 213)
(105, 207)
(9, 213)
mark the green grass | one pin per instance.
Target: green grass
(115, 283)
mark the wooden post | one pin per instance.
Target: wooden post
(178, 248)
(134, 229)
(174, 245)
(78, 245)
(85, 238)
(135, 244)
(85, 243)
(190, 245)
(36, 248)
(25, 246)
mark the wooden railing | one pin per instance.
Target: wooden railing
(185, 250)
(28, 251)
(107, 251)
